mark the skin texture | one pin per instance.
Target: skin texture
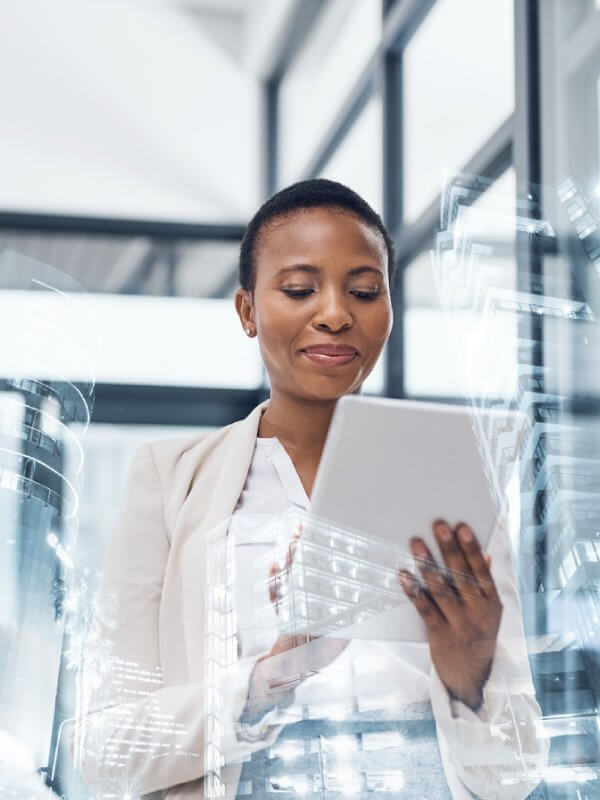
(303, 394)
(322, 278)
(460, 607)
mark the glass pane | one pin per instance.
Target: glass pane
(317, 84)
(75, 336)
(357, 161)
(141, 340)
(574, 14)
(133, 264)
(570, 96)
(434, 344)
(109, 450)
(113, 109)
(447, 120)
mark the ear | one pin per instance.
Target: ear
(244, 305)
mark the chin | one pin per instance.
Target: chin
(328, 389)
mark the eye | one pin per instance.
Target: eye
(365, 295)
(297, 293)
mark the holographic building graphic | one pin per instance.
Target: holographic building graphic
(351, 746)
(336, 577)
(337, 734)
(535, 328)
(41, 465)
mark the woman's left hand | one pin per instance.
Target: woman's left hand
(460, 607)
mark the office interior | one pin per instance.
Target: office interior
(138, 140)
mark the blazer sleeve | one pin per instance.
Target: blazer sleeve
(133, 734)
(499, 752)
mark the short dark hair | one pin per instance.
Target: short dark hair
(313, 193)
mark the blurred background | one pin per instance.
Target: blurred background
(139, 137)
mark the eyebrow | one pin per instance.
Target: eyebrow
(310, 268)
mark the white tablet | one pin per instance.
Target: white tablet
(390, 468)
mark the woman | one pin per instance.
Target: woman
(316, 265)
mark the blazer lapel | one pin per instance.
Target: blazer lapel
(201, 556)
(238, 449)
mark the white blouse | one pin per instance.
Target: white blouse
(485, 749)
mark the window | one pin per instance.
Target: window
(458, 88)
(442, 349)
(109, 450)
(125, 339)
(317, 84)
(587, 551)
(128, 264)
(357, 161)
(64, 334)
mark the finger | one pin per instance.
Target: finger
(443, 592)
(294, 657)
(480, 568)
(453, 556)
(291, 551)
(275, 586)
(275, 581)
(289, 558)
(425, 605)
(289, 641)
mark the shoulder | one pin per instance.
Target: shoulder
(179, 454)
(175, 465)
(173, 458)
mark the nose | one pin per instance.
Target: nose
(332, 313)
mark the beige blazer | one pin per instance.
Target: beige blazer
(154, 716)
(142, 724)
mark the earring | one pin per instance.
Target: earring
(249, 331)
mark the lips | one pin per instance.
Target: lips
(332, 349)
(331, 354)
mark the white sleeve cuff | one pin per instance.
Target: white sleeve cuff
(240, 736)
(497, 750)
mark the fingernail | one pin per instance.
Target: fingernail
(465, 533)
(443, 531)
(419, 548)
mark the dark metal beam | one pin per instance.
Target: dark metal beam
(392, 167)
(270, 136)
(527, 124)
(172, 405)
(392, 210)
(527, 155)
(528, 167)
(62, 223)
(302, 20)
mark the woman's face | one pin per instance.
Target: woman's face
(321, 304)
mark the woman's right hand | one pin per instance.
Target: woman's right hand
(291, 660)
(293, 657)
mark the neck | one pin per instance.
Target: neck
(300, 425)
